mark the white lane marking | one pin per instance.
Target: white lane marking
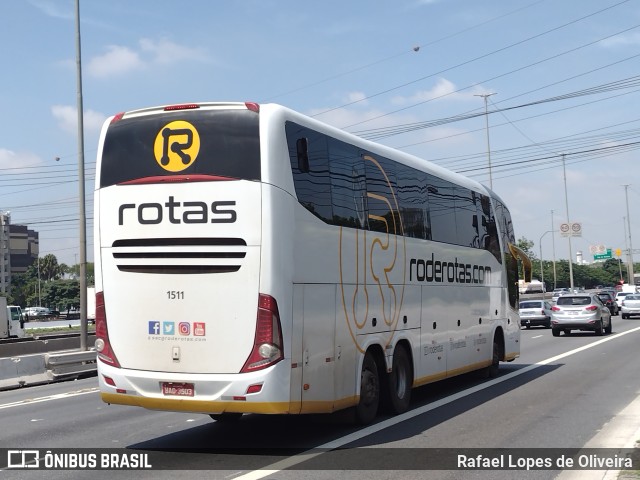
(537, 336)
(339, 442)
(59, 396)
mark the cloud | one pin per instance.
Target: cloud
(442, 89)
(359, 97)
(621, 40)
(116, 61)
(67, 117)
(52, 9)
(119, 60)
(11, 159)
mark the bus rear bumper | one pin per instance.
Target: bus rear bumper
(265, 391)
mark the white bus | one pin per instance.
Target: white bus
(250, 259)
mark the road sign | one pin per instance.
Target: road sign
(603, 256)
(573, 229)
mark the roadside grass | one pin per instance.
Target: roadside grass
(31, 332)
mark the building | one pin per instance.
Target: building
(19, 249)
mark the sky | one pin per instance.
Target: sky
(561, 80)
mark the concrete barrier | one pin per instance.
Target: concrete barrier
(28, 370)
(22, 371)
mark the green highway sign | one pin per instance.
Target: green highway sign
(603, 256)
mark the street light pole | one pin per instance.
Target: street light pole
(631, 280)
(486, 122)
(83, 217)
(541, 269)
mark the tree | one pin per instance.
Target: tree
(49, 268)
(62, 294)
(526, 245)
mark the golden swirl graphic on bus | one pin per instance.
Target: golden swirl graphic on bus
(373, 261)
(176, 146)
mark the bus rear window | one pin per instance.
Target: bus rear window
(195, 142)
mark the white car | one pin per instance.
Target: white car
(34, 312)
(631, 305)
(620, 296)
(535, 312)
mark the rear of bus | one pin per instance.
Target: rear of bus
(181, 321)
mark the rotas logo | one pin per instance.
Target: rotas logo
(176, 146)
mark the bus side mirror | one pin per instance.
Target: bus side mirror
(302, 148)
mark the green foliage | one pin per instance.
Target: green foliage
(47, 276)
(62, 294)
(607, 273)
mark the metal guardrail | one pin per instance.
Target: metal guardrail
(65, 364)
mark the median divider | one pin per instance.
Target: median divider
(28, 370)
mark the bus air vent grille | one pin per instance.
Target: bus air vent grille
(179, 255)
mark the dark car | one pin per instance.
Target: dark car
(609, 301)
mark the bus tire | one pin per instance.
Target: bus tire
(226, 417)
(367, 408)
(493, 369)
(400, 382)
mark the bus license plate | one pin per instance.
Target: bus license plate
(177, 389)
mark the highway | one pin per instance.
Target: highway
(561, 393)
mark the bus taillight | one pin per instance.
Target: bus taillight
(103, 347)
(267, 345)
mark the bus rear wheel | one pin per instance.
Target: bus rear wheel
(494, 368)
(367, 407)
(400, 381)
(226, 417)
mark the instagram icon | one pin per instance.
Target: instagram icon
(184, 328)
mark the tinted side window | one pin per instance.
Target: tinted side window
(312, 184)
(412, 197)
(348, 185)
(506, 229)
(466, 217)
(442, 209)
(382, 196)
(488, 229)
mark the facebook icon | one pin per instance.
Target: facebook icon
(154, 327)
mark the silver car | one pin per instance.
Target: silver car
(535, 312)
(583, 311)
(631, 305)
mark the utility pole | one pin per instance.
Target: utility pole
(630, 257)
(566, 201)
(486, 122)
(553, 244)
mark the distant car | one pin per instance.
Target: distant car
(610, 291)
(609, 302)
(558, 292)
(620, 296)
(534, 313)
(631, 305)
(34, 312)
(535, 286)
(582, 311)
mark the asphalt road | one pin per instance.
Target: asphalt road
(559, 394)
